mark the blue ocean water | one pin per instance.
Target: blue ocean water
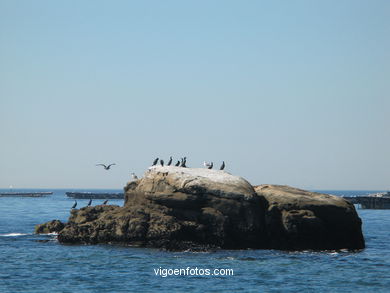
(38, 263)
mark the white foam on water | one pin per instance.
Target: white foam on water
(13, 234)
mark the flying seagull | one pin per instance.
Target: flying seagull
(90, 202)
(74, 205)
(170, 161)
(134, 176)
(155, 162)
(105, 166)
(222, 166)
(105, 202)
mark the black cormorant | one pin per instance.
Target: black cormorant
(222, 166)
(74, 205)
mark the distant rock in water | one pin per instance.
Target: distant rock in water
(199, 209)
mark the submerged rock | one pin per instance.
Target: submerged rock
(183, 208)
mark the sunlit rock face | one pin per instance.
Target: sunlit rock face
(179, 208)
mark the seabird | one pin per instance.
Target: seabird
(211, 166)
(134, 176)
(177, 164)
(105, 166)
(206, 164)
(74, 205)
(183, 162)
(155, 162)
(170, 161)
(222, 166)
(90, 202)
(105, 202)
(162, 162)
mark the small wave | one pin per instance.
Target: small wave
(51, 234)
(13, 234)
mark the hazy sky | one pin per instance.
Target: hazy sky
(286, 92)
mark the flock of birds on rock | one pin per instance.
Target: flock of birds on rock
(89, 203)
(180, 163)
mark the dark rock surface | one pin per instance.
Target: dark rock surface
(53, 226)
(199, 209)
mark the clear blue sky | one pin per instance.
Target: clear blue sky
(286, 92)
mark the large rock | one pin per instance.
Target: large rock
(182, 208)
(299, 219)
(176, 208)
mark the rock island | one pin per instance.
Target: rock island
(179, 208)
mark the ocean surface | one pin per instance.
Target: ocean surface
(38, 263)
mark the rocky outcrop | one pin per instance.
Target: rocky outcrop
(175, 208)
(297, 219)
(53, 226)
(184, 208)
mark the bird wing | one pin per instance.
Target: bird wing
(111, 164)
(101, 165)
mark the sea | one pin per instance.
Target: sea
(38, 263)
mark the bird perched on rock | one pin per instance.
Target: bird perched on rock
(106, 167)
(162, 162)
(211, 166)
(105, 202)
(183, 162)
(90, 202)
(170, 161)
(134, 176)
(177, 164)
(74, 205)
(222, 166)
(155, 162)
(206, 164)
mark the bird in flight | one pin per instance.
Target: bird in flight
(106, 167)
